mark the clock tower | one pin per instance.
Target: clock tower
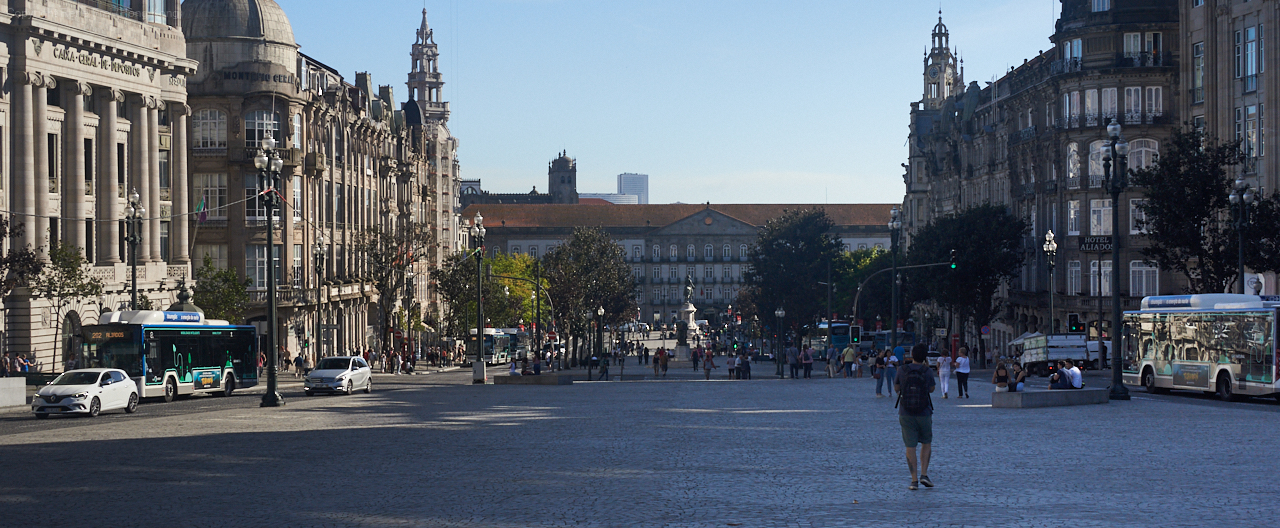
(942, 75)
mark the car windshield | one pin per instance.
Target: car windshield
(76, 378)
(334, 364)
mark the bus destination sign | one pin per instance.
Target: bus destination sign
(181, 317)
(102, 336)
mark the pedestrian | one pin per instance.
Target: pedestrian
(4, 365)
(693, 356)
(744, 366)
(833, 361)
(1019, 378)
(731, 365)
(793, 359)
(657, 358)
(262, 360)
(306, 365)
(891, 368)
(666, 359)
(1000, 378)
(709, 363)
(850, 360)
(297, 365)
(944, 374)
(604, 368)
(915, 413)
(962, 373)
(806, 360)
(877, 372)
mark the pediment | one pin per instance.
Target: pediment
(707, 222)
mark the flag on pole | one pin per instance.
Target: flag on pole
(203, 212)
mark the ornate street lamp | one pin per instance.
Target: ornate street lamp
(1051, 253)
(777, 340)
(319, 252)
(269, 165)
(134, 213)
(599, 341)
(1241, 197)
(1116, 183)
(477, 367)
(895, 227)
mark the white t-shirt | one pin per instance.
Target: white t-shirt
(944, 364)
(891, 361)
(962, 364)
(1077, 380)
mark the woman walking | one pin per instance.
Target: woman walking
(944, 374)
(891, 367)
(708, 363)
(877, 372)
(962, 373)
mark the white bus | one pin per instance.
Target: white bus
(1216, 343)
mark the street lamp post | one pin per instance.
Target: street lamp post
(269, 165)
(754, 332)
(134, 213)
(477, 367)
(319, 252)
(599, 341)
(1117, 181)
(1242, 197)
(895, 226)
(777, 341)
(1051, 253)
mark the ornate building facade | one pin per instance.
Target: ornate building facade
(562, 187)
(1034, 141)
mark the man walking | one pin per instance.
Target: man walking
(915, 412)
(850, 355)
(793, 359)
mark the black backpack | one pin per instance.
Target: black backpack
(914, 395)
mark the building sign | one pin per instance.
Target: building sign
(94, 61)
(258, 77)
(1095, 244)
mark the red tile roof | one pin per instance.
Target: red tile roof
(657, 215)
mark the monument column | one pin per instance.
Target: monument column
(43, 174)
(73, 181)
(139, 160)
(108, 180)
(153, 180)
(22, 188)
(178, 180)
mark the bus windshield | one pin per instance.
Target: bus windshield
(112, 347)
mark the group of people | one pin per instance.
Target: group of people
(15, 365)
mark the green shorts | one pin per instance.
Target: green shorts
(916, 429)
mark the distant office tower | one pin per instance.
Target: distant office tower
(636, 184)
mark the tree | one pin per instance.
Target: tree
(789, 259)
(851, 269)
(1187, 214)
(505, 300)
(987, 240)
(20, 265)
(65, 281)
(220, 292)
(585, 273)
(390, 254)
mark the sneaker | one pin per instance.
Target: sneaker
(944, 396)
(914, 486)
(924, 479)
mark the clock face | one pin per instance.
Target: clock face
(933, 72)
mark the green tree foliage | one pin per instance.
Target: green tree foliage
(65, 281)
(988, 244)
(390, 254)
(851, 269)
(504, 300)
(788, 260)
(20, 265)
(1188, 214)
(221, 292)
(585, 273)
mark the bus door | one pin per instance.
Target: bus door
(156, 363)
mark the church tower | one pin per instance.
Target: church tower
(425, 83)
(562, 180)
(942, 76)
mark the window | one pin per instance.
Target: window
(688, 252)
(340, 204)
(88, 168)
(1097, 150)
(156, 13)
(297, 198)
(533, 252)
(1132, 44)
(164, 240)
(211, 190)
(1100, 285)
(296, 272)
(724, 252)
(657, 272)
(671, 272)
(1101, 5)
(708, 252)
(742, 251)
(1197, 3)
(1155, 102)
(255, 264)
(297, 131)
(673, 254)
(209, 127)
(1136, 217)
(1250, 145)
(637, 272)
(1142, 153)
(1066, 108)
(1133, 105)
(1144, 279)
(255, 206)
(657, 252)
(637, 252)
(726, 271)
(216, 253)
(515, 250)
(1239, 69)
(1073, 161)
(1075, 108)
(258, 126)
(708, 272)
(1100, 217)
(1109, 104)
(1197, 72)
(1091, 107)
(1073, 277)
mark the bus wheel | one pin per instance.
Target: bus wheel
(1224, 388)
(170, 391)
(228, 387)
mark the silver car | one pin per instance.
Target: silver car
(342, 374)
(86, 391)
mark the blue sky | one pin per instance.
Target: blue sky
(724, 101)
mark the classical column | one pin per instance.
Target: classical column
(153, 181)
(73, 184)
(22, 189)
(108, 232)
(178, 180)
(40, 129)
(140, 160)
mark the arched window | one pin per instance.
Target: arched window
(724, 252)
(1142, 153)
(1097, 150)
(657, 252)
(210, 129)
(688, 252)
(258, 125)
(674, 253)
(1073, 161)
(742, 251)
(708, 252)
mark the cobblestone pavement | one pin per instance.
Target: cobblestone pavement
(436, 451)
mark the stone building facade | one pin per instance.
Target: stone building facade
(562, 187)
(667, 242)
(94, 105)
(1034, 140)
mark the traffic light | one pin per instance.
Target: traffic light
(1074, 326)
(953, 259)
(855, 334)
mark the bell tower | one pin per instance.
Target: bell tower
(942, 73)
(425, 83)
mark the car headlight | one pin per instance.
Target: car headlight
(80, 396)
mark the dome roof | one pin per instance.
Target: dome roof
(221, 19)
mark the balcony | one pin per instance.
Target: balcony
(316, 163)
(1132, 118)
(1064, 66)
(1142, 59)
(1073, 183)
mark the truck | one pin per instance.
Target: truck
(1041, 353)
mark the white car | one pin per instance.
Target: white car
(86, 391)
(339, 374)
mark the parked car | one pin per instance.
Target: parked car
(932, 358)
(342, 374)
(86, 391)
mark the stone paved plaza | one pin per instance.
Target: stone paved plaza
(435, 451)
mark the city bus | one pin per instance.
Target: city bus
(173, 354)
(1215, 343)
(497, 346)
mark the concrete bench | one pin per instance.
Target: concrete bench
(13, 392)
(544, 379)
(1049, 398)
